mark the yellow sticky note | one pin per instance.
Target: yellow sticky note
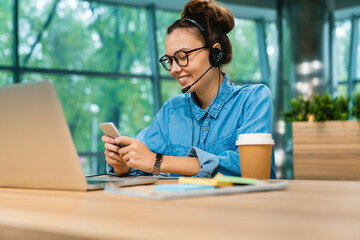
(204, 181)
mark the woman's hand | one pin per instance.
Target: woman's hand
(112, 156)
(136, 154)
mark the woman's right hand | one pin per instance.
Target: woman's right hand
(112, 156)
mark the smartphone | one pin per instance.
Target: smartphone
(109, 129)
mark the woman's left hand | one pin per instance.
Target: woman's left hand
(136, 154)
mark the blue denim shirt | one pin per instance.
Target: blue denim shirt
(182, 128)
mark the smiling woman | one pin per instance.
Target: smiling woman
(194, 133)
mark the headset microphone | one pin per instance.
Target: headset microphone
(185, 89)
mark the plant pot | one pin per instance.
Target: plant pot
(326, 150)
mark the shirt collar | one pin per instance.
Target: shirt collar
(215, 107)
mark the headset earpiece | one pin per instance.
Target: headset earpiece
(216, 57)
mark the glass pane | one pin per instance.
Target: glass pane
(169, 89)
(357, 88)
(89, 101)
(272, 49)
(82, 35)
(245, 61)
(342, 44)
(6, 78)
(6, 32)
(163, 20)
(342, 90)
(358, 55)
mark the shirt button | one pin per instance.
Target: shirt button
(205, 129)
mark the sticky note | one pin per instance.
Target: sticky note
(236, 180)
(204, 181)
(181, 187)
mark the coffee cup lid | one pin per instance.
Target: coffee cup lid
(255, 139)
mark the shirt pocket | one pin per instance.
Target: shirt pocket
(223, 144)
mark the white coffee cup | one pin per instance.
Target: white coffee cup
(255, 152)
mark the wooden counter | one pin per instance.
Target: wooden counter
(305, 210)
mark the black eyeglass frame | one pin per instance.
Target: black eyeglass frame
(166, 57)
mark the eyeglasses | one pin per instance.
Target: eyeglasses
(181, 58)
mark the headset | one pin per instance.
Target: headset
(216, 55)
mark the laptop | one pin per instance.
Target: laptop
(36, 147)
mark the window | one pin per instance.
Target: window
(343, 33)
(80, 35)
(272, 49)
(342, 89)
(5, 78)
(6, 32)
(169, 86)
(357, 88)
(245, 62)
(357, 84)
(163, 20)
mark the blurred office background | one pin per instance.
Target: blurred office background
(102, 56)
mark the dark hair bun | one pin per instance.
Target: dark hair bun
(209, 13)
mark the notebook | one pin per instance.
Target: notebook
(36, 147)
(170, 191)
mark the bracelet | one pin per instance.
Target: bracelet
(157, 164)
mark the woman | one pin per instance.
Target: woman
(194, 134)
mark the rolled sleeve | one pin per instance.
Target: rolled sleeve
(208, 162)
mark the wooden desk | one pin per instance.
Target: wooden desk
(305, 210)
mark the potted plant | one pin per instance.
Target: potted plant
(356, 106)
(326, 145)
